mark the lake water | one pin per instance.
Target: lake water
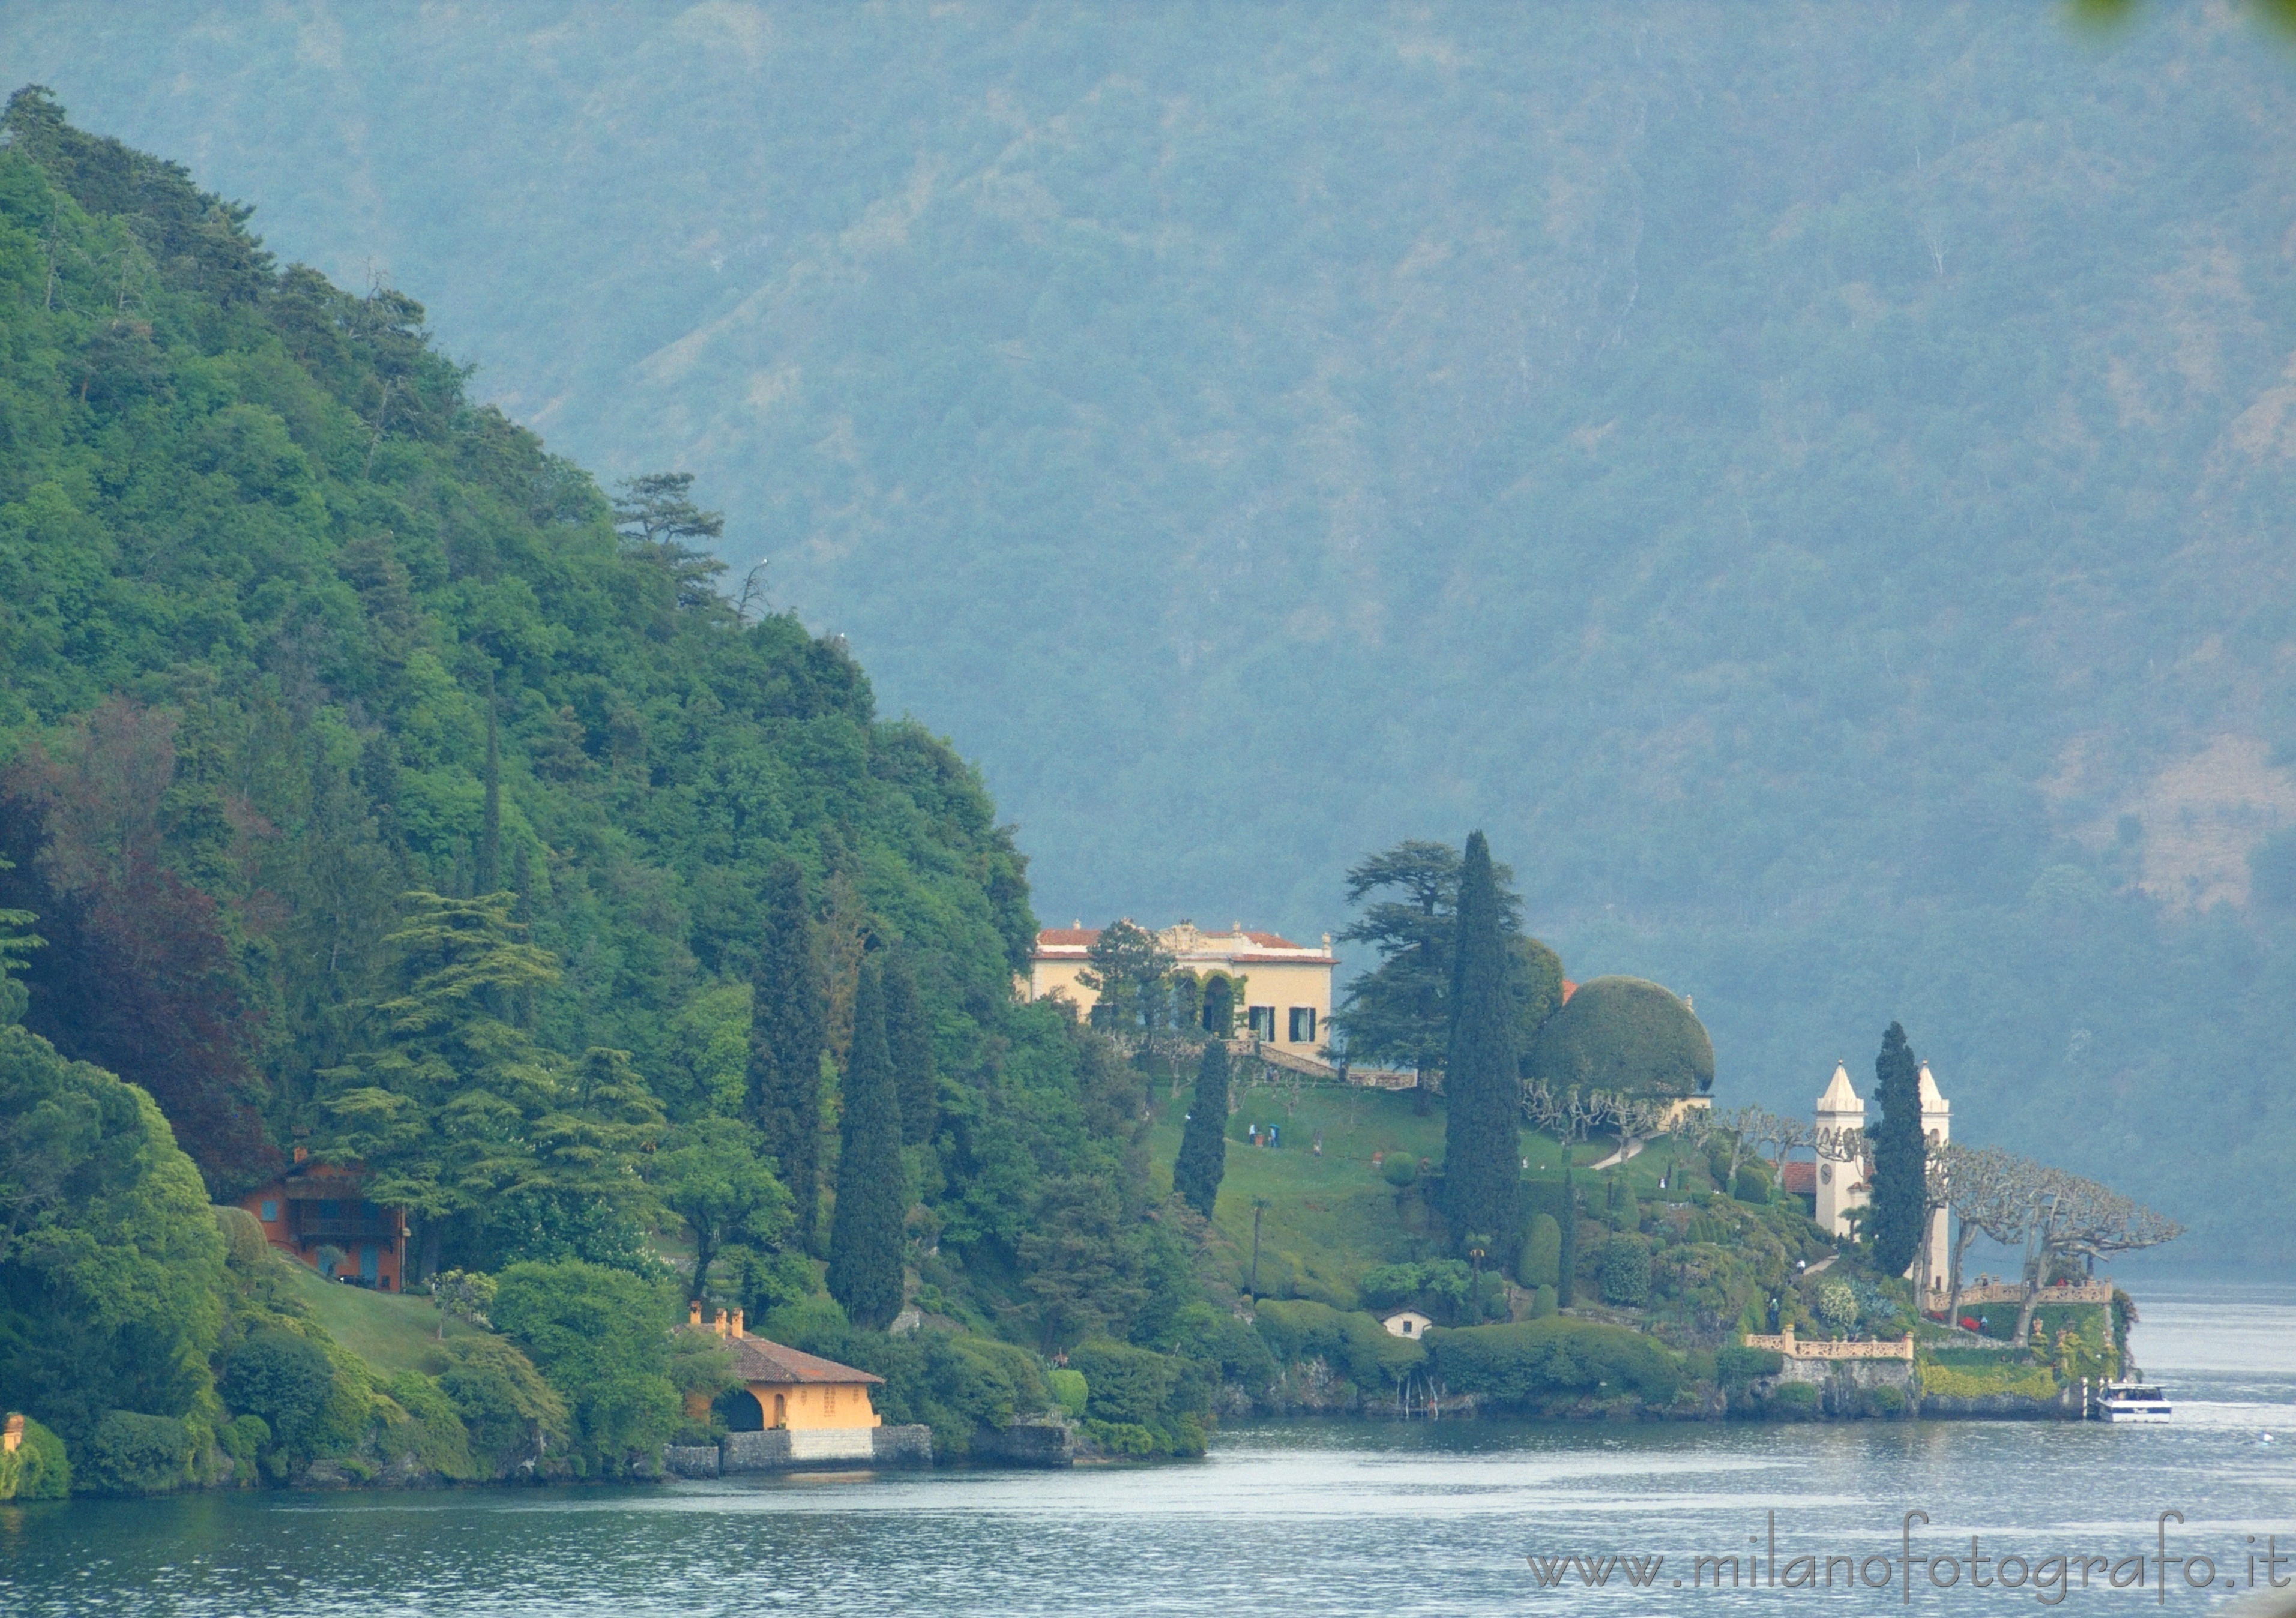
(1290, 1517)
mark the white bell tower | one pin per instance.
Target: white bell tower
(1935, 1258)
(1841, 1185)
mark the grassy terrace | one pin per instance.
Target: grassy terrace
(1331, 1217)
(388, 1330)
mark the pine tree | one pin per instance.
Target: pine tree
(908, 1034)
(864, 1232)
(1480, 1141)
(1566, 1264)
(1197, 1171)
(1900, 1157)
(789, 1022)
(487, 876)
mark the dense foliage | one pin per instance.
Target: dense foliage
(1812, 488)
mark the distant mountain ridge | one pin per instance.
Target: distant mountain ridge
(1810, 482)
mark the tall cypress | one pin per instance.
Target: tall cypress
(1480, 1163)
(1566, 1264)
(908, 1035)
(1196, 1172)
(789, 1021)
(864, 1232)
(1900, 1156)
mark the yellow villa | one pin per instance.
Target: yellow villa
(794, 1391)
(1283, 989)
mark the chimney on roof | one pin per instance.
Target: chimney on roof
(719, 1324)
(302, 1154)
(693, 1311)
(1076, 925)
(737, 1322)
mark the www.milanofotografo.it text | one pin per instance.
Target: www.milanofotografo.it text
(1914, 1567)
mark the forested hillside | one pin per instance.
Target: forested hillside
(305, 653)
(1808, 479)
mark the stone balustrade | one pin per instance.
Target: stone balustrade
(1786, 1344)
(2010, 1292)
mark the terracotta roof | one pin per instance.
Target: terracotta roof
(1073, 937)
(1569, 989)
(757, 1360)
(1800, 1179)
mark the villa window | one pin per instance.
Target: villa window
(1303, 1025)
(270, 1212)
(1262, 1022)
(829, 1401)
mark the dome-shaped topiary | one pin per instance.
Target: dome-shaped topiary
(1626, 1035)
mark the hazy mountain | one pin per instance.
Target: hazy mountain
(1809, 480)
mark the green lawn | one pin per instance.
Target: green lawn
(1332, 1216)
(389, 1331)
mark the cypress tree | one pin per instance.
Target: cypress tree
(1204, 1145)
(1900, 1156)
(789, 1020)
(1566, 1261)
(864, 1232)
(908, 1034)
(1479, 1140)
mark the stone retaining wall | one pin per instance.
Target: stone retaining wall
(784, 1450)
(1025, 1443)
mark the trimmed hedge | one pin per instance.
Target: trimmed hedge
(1530, 1360)
(1624, 1035)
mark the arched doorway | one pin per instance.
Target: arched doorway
(780, 1411)
(739, 1409)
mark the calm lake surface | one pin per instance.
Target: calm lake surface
(1291, 1517)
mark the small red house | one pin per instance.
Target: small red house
(317, 1205)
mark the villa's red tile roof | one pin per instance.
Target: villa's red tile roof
(1071, 937)
(1800, 1179)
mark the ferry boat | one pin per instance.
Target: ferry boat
(2129, 1401)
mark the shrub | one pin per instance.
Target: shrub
(1626, 1271)
(37, 1469)
(1624, 1035)
(1349, 1341)
(1124, 1384)
(1399, 1170)
(422, 1431)
(1542, 1251)
(130, 1453)
(1737, 1365)
(1542, 1302)
(286, 1380)
(1069, 1389)
(245, 1438)
(1533, 1360)
(1752, 1184)
(1795, 1400)
(512, 1419)
(601, 1338)
(1385, 1286)
(1219, 1340)
(1620, 1211)
(1887, 1399)
(1836, 1306)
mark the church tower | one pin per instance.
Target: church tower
(1935, 1258)
(1841, 1185)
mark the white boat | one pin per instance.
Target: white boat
(2129, 1401)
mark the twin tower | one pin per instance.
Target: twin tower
(1844, 1188)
